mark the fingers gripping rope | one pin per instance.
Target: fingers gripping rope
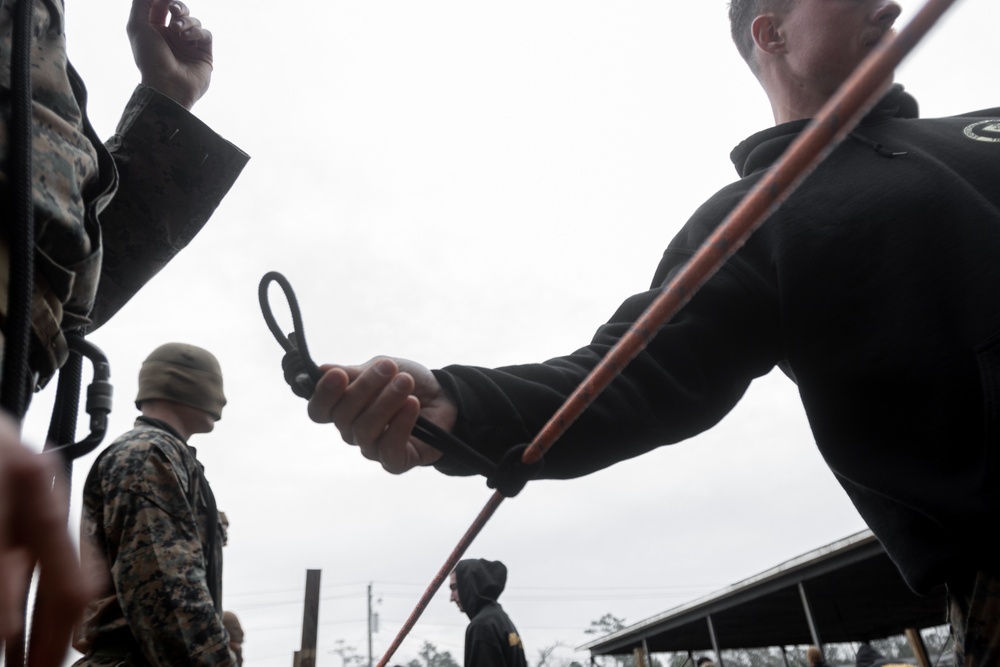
(302, 374)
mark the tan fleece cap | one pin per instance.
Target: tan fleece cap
(184, 374)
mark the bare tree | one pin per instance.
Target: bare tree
(545, 653)
(349, 656)
(433, 658)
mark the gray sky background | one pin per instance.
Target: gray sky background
(478, 183)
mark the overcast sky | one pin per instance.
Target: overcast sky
(461, 181)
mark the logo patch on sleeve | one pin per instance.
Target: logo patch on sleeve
(984, 130)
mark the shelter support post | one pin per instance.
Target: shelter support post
(310, 620)
(813, 632)
(918, 647)
(715, 642)
(784, 656)
(645, 651)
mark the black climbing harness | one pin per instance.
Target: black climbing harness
(301, 373)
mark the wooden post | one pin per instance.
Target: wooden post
(310, 620)
(918, 647)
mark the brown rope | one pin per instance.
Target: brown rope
(834, 121)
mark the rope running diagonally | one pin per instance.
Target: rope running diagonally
(833, 122)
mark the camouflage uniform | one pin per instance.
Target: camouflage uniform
(144, 528)
(974, 617)
(153, 186)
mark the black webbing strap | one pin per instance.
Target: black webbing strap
(14, 389)
(18, 208)
(302, 374)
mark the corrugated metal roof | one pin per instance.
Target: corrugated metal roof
(853, 590)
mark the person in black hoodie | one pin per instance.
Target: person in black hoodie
(868, 656)
(874, 287)
(491, 640)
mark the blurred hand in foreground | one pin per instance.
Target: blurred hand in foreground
(33, 530)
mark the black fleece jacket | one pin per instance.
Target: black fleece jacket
(875, 287)
(491, 640)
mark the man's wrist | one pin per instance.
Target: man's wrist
(173, 93)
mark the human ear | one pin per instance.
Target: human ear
(766, 34)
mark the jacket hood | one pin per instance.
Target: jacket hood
(761, 150)
(867, 656)
(480, 582)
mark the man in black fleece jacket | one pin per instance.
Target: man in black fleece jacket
(491, 640)
(875, 287)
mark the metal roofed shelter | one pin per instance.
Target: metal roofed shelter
(847, 591)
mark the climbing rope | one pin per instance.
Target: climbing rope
(14, 386)
(840, 114)
(18, 208)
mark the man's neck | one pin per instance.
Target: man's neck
(159, 423)
(790, 105)
(787, 106)
(162, 412)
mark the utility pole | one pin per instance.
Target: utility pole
(369, 624)
(306, 656)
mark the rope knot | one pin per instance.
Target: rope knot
(295, 371)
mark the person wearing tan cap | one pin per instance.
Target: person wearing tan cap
(150, 528)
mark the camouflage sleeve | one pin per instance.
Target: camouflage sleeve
(174, 171)
(159, 570)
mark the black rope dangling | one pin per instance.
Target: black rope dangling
(301, 373)
(14, 387)
(19, 210)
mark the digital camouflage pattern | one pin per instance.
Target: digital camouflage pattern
(975, 622)
(114, 214)
(143, 527)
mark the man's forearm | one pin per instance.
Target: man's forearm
(173, 172)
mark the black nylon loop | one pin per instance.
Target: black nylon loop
(296, 351)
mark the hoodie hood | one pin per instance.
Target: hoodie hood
(480, 582)
(867, 656)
